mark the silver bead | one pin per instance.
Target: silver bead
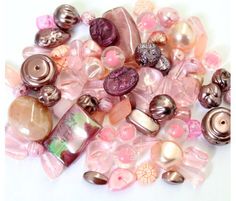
(49, 95)
(222, 78)
(88, 103)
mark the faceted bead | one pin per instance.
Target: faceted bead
(126, 132)
(105, 104)
(120, 179)
(183, 113)
(167, 16)
(194, 128)
(142, 6)
(227, 97)
(30, 118)
(120, 111)
(212, 60)
(112, 57)
(75, 55)
(87, 17)
(158, 37)
(91, 49)
(61, 107)
(12, 76)
(107, 134)
(31, 50)
(45, 21)
(146, 22)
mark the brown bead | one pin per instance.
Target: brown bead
(163, 65)
(49, 95)
(158, 37)
(162, 107)
(222, 78)
(88, 103)
(95, 178)
(173, 177)
(216, 126)
(38, 70)
(210, 95)
(51, 37)
(66, 16)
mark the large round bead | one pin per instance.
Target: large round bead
(30, 118)
(222, 78)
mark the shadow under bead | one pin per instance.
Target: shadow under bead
(49, 95)
(222, 78)
(88, 103)
(216, 126)
(210, 95)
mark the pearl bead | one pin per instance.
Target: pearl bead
(167, 16)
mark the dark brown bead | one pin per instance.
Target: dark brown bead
(37, 71)
(162, 107)
(163, 65)
(95, 178)
(222, 78)
(51, 37)
(210, 95)
(49, 95)
(88, 103)
(66, 16)
(173, 177)
(216, 126)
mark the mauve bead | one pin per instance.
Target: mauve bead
(167, 16)
(105, 104)
(222, 78)
(49, 95)
(88, 103)
(103, 31)
(173, 177)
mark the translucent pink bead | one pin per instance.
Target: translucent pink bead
(125, 156)
(75, 55)
(142, 6)
(20, 90)
(195, 158)
(31, 50)
(183, 113)
(194, 128)
(87, 17)
(45, 21)
(212, 60)
(167, 16)
(177, 56)
(91, 49)
(112, 57)
(105, 104)
(126, 132)
(176, 129)
(107, 134)
(146, 22)
(193, 65)
(143, 144)
(61, 107)
(12, 76)
(142, 100)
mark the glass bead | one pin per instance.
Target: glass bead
(126, 132)
(167, 16)
(107, 134)
(146, 22)
(194, 128)
(212, 60)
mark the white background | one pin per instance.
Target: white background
(26, 181)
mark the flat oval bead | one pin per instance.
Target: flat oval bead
(95, 178)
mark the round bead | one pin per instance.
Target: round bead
(49, 95)
(146, 22)
(173, 177)
(126, 132)
(222, 78)
(112, 57)
(38, 70)
(88, 103)
(216, 126)
(163, 65)
(105, 104)
(103, 31)
(210, 95)
(121, 81)
(177, 56)
(162, 107)
(158, 37)
(167, 16)
(91, 49)
(95, 178)
(147, 54)
(30, 118)
(107, 134)
(183, 113)
(212, 60)
(66, 16)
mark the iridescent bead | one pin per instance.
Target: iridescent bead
(112, 57)
(194, 128)
(212, 60)
(87, 17)
(45, 21)
(107, 134)
(158, 37)
(146, 22)
(126, 132)
(49, 95)
(167, 16)
(91, 49)
(142, 6)
(31, 50)
(163, 65)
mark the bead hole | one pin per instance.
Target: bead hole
(223, 122)
(37, 67)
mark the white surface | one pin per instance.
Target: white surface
(26, 180)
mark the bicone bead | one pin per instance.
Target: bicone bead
(167, 16)
(194, 128)
(45, 21)
(146, 22)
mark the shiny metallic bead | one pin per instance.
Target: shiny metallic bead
(173, 177)
(163, 65)
(37, 71)
(66, 16)
(51, 37)
(210, 95)
(162, 107)
(49, 95)
(158, 37)
(95, 178)
(88, 103)
(216, 126)
(222, 78)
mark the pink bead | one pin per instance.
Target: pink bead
(61, 107)
(126, 132)
(112, 57)
(45, 21)
(75, 55)
(142, 100)
(167, 16)
(12, 76)
(121, 179)
(31, 50)
(177, 56)
(35, 149)
(146, 22)
(87, 17)
(227, 97)
(105, 104)
(125, 156)
(183, 113)
(195, 158)
(143, 144)
(212, 60)
(142, 6)
(51, 165)
(20, 90)
(107, 134)
(91, 49)
(98, 156)
(194, 128)
(193, 65)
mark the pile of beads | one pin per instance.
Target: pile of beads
(143, 76)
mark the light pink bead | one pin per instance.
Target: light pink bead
(142, 100)
(91, 49)
(12, 76)
(20, 90)
(61, 107)
(183, 113)
(75, 55)
(87, 17)
(227, 97)
(177, 56)
(142, 6)
(195, 158)
(146, 22)
(35, 149)
(105, 104)
(31, 50)
(125, 156)
(167, 16)
(107, 134)
(212, 60)
(194, 128)
(143, 144)
(45, 21)
(193, 65)
(126, 132)
(120, 179)
(112, 57)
